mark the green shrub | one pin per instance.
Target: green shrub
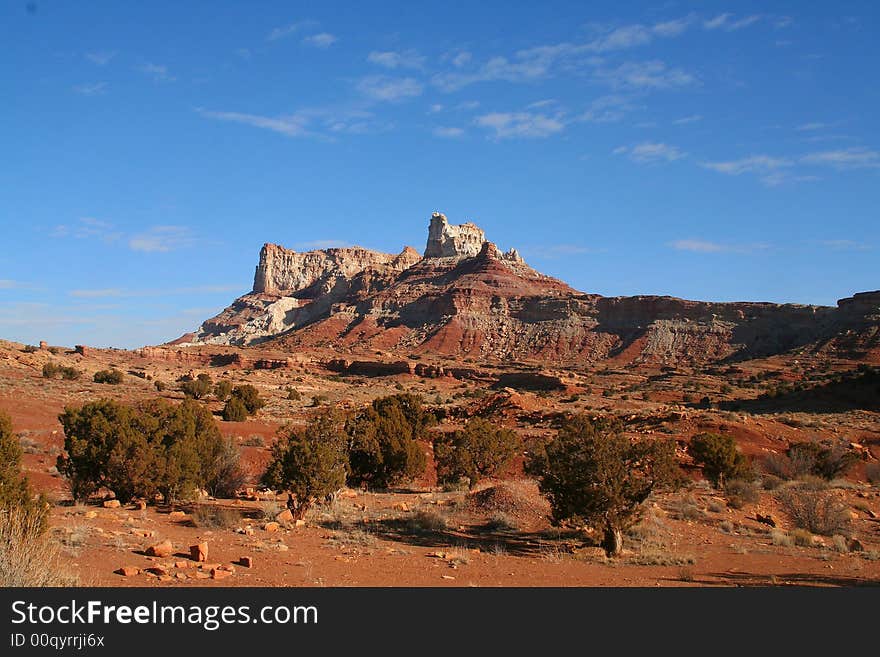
(15, 491)
(739, 493)
(111, 376)
(198, 387)
(234, 410)
(160, 385)
(50, 369)
(138, 451)
(222, 390)
(592, 473)
(70, 373)
(310, 463)
(384, 448)
(720, 458)
(249, 396)
(293, 394)
(479, 450)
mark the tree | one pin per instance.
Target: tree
(250, 397)
(479, 450)
(309, 463)
(138, 451)
(234, 410)
(222, 390)
(16, 496)
(384, 448)
(720, 458)
(198, 387)
(592, 473)
(111, 376)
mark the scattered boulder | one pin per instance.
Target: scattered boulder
(246, 562)
(284, 516)
(162, 550)
(199, 552)
(112, 504)
(128, 571)
(271, 527)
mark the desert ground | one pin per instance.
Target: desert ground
(498, 534)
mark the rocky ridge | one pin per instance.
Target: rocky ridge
(465, 298)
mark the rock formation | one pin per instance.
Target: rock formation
(466, 298)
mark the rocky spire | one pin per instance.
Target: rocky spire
(448, 241)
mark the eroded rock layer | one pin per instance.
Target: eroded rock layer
(465, 298)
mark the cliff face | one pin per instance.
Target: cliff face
(466, 298)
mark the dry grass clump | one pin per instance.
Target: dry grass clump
(29, 556)
(816, 511)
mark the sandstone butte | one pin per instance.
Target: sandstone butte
(465, 298)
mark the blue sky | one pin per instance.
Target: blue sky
(707, 150)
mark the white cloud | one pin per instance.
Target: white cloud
(96, 89)
(850, 158)
(7, 284)
(291, 126)
(845, 245)
(87, 228)
(321, 40)
(607, 109)
(288, 30)
(688, 119)
(118, 292)
(760, 164)
(448, 132)
(706, 246)
(520, 124)
(408, 59)
(554, 251)
(101, 58)
(157, 72)
(809, 127)
(652, 74)
(385, 88)
(461, 59)
(649, 152)
(161, 239)
(725, 22)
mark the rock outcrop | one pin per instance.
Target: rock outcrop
(448, 241)
(465, 298)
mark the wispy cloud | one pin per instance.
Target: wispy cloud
(8, 284)
(158, 72)
(845, 245)
(774, 171)
(685, 120)
(555, 251)
(448, 132)
(118, 292)
(607, 109)
(161, 239)
(291, 126)
(390, 89)
(850, 158)
(407, 59)
(647, 75)
(101, 58)
(87, 228)
(728, 23)
(706, 246)
(520, 124)
(320, 40)
(94, 89)
(650, 152)
(810, 127)
(285, 31)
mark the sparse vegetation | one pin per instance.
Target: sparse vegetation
(384, 447)
(819, 512)
(720, 458)
(591, 472)
(138, 451)
(111, 377)
(223, 390)
(310, 463)
(198, 387)
(479, 450)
